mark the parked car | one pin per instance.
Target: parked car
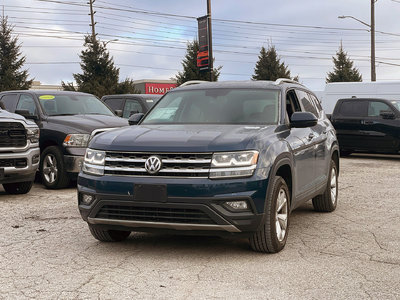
(367, 125)
(131, 104)
(19, 152)
(67, 120)
(219, 158)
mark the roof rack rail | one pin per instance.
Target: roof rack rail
(286, 80)
(190, 82)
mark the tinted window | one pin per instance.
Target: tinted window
(353, 108)
(10, 101)
(306, 102)
(115, 103)
(316, 102)
(132, 107)
(375, 108)
(292, 104)
(70, 104)
(217, 106)
(396, 104)
(26, 102)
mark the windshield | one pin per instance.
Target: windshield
(396, 103)
(69, 104)
(216, 106)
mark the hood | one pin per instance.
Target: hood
(87, 123)
(7, 115)
(181, 138)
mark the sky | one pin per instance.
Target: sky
(147, 38)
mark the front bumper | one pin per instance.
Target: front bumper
(73, 163)
(192, 205)
(17, 174)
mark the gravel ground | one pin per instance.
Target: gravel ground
(47, 252)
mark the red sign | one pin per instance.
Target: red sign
(159, 88)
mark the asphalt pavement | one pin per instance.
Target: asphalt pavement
(47, 252)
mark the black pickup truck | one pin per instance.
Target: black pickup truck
(367, 125)
(67, 121)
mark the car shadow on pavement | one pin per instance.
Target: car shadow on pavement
(395, 157)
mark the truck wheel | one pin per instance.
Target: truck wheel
(271, 237)
(52, 169)
(108, 235)
(18, 187)
(327, 202)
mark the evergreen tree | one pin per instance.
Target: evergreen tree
(343, 70)
(126, 87)
(190, 69)
(11, 61)
(269, 66)
(99, 75)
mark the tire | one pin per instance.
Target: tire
(327, 202)
(271, 238)
(18, 187)
(108, 235)
(52, 169)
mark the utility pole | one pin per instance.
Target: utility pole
(92, 22)
(373, 70)
(210, 52)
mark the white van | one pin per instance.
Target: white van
(338, 90)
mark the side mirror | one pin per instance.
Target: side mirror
(27, 115)
(303, 120)
(118, 112)
(135, 119)
(385, 114)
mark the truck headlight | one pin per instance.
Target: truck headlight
(76, 140)
(94, 162)
(233, 164)
(33, 134)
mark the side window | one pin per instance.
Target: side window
(10, 101)
(114, 103)
(353, 108)
(132, 107)
(26, 102)
(292, 104)
(306, 102)
(316, 102)
(375, 108)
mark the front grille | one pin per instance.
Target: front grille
(13, 162)
(173, 164)
(12, 134)
(154, 214)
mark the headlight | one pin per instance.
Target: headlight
(33, 134)
(94, 162)
(233, 164)
(76, 140)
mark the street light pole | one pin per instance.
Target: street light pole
(372, 29)
(373, 70)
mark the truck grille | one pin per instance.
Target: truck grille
(12, 134)
(154, 214)
(13, 162)
(173, 164)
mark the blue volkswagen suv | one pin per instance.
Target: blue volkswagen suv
(220, 158)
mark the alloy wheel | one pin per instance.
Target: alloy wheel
(50, 170)
(281, 215)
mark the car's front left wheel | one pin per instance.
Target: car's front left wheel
(272, 235)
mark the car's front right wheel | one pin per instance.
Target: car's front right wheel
(105, 235)
(272, 235)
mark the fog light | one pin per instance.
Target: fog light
(35, 159)
(237, 205)
(86, 199)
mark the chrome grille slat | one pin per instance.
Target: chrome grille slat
(173, 164)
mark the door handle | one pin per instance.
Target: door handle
(368, 122)
(311, 136)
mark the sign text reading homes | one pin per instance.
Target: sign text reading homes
(159, 88)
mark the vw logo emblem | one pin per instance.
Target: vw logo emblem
(153, 164)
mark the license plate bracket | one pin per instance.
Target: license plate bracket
(150, 192)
